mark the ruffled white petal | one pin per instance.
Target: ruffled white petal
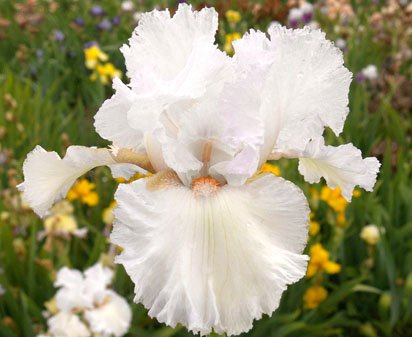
(341, 166)
(111, 119)
(67, 325)
(214, 262)
(173, 63)
(110, 318)
(106, 312)
(313, 83)
(72, 294)
(253, 50)
(47, 177)
(205, 142)
(125, 170)
(180, 156)
(68, 278)
(164, 43)
(303, 89)
(237, 170)
(182, 92)
(96, 280)
(242, 99)
(82, 290)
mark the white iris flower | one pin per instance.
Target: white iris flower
(105, 312)
(66, 324)
(207, 242)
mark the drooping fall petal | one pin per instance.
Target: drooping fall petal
(214, 257)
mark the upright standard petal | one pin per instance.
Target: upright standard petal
(313, 85)
(186, 250)
(71, 294)
(172, 61)
(164, 44)
(341, 166)
(203, 140)
(111, 119)
(302, 87)
(96, 280)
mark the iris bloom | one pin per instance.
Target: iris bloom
(105, 312)
(208, 242)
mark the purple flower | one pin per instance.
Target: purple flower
(294, 17)
(78, 21)
(116, 20)
(58, 35)
(89, 44)
(96, 10)
(307, 17)
(293, 23)
(104, 25)
(307, 12)
(360, 77)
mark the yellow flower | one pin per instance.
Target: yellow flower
(93, 55)
(228, 42)
(105, 72)
(23, 204)
(136, 176)
(314, 227)
(331, 267)
(95, 59)
(91, 199)
(314, 296)
(232, 16)
(333, 198)
(107, 214)
(51, 306)
(271, 168)
(60, 223)
(107, 260)
(341, 219)
(356, 193)
(62, 207)
(82, 190)
(319, 262)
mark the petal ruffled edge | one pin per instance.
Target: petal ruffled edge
(259, 231)
(111, 121)
(341, 166)
(48, 177)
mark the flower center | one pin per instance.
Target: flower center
(205, 186)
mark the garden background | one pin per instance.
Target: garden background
(57, 60)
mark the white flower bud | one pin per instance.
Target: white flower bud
(370, 234)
